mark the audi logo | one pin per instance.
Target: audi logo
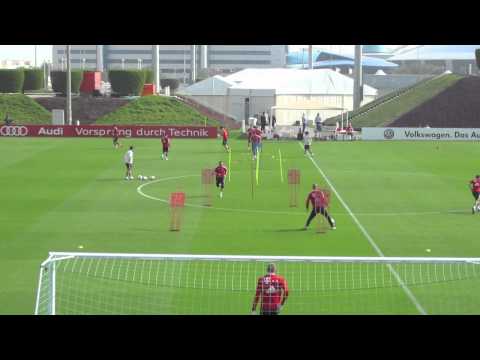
(13, 130)
(389, 134)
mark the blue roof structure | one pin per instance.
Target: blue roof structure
(326, 59)
(375, 49)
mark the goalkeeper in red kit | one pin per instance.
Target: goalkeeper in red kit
(272, 290)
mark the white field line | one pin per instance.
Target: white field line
(405, 288)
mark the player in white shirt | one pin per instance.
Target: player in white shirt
(307, 143)
(128, 159)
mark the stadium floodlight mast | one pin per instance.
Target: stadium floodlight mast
(69, 86)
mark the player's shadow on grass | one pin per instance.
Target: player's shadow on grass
(299, 229)
(112, 179)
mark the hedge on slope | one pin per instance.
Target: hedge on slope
(173, 83)
(33, 79)
(11, 80)
(127, 82)
(59, 81)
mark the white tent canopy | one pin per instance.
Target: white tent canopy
(216, 85)
(296, 81)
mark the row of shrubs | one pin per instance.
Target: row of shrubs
(130, 82)
(20, 80)
(123, 82)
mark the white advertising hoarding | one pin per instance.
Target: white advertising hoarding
(416, 134)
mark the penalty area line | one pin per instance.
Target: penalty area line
(405, 288)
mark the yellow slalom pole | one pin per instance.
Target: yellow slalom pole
(281, 165)
(258, 164)
(229, 164)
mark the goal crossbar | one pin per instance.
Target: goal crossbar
(57, 256)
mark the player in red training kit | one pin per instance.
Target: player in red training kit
(318, 200)
(220, 173)
(249, 136)
(116, 144)
(475, 187)
(224, 134)
(272, 289)
(165, 146)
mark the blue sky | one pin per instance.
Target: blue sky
(44, 52)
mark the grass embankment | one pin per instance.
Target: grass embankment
(385, 113)
(23, 110)
(156, 110)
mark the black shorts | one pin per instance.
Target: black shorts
(129, 166)
(307, 147)
(475, 195)
(224, 142)
(115, 140)
(220, 181)
(269, 312)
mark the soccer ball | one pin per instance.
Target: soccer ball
(152, 177)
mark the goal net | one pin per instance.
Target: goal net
(96, 283)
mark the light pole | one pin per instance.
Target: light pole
(156, 67)
(123, 64)
(35, 55)
(69, 87)
(310, 57)
(357, 78)
(184, 67)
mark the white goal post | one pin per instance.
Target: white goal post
(109, 283)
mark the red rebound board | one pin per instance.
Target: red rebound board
(294, 176)
(91, 81)
(128, 131)
(177, 199)
(207, 176)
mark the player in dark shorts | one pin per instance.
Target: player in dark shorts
(272, 290)
(318, 200)
(475, 188)
(165, 146)
(224, 134)
(220, 173)
(116, 144)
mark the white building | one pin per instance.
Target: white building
(175, 60)
(285, 92)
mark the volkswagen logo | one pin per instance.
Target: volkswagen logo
(389, 134)
(13, 130)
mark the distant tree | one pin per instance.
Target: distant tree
(477, 55)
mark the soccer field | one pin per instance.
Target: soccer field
(400, 197)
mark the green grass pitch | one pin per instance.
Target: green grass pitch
(59, 194)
